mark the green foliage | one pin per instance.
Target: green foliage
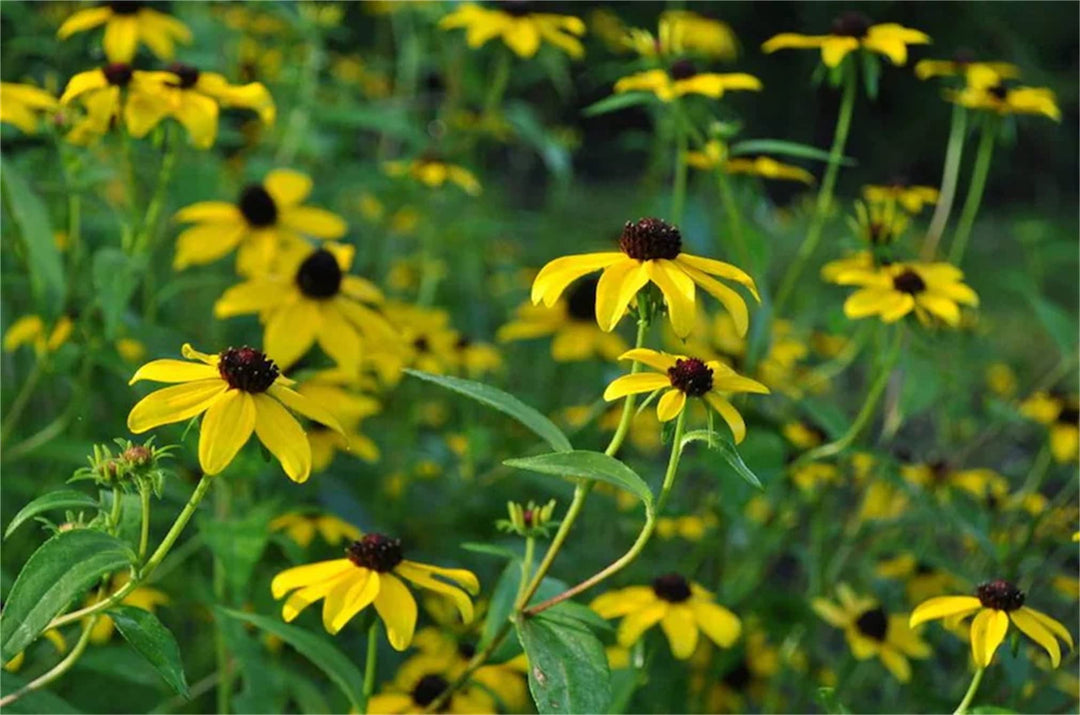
(582, 464)
(153, 641)
(568, 671)
(64, 499)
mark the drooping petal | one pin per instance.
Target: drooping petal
(792, 41)
(84, 20)
(656, 360)
(987, 631)
(721, 270)
(1038, 633)
(678, 289)
(82, 83)
(287, 187)
(281, 434)
(199, 115)
(174, 404)
(636, 623)
(622, 601)
(835, 49)
(1049, 624)
(291, 331)
(943, 607)
(720, 625)
(348, 598)
(738, 383)
(338, 338)
(896, 663)
(522, 36)
(174, 371)
(226, 427)
(940, 306)
(618, 285)
(397, 608)
(207, 242)
(732, 301)
(730, 415)
(670, 405)
(462, 577)
(121, 38)
(301, 576)
(635, 384)
(423, 579)
(192, 354)
(314, 222)
(681, 630)
(302, 405)
(554, 277)
(301, 599)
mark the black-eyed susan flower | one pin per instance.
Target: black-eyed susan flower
(930, 290)
(921, 580)
(681, 377)
(266, 218)
(965, 66)
(871, 631)
(341, 392)
(1060, 413)
(312, 298)
(370, 574)
(850, 32)
(435, 173)
(302, 527)
(651, 251)
(32, 330)
(420, 681)
(746, 680)
(103, 94)
(810, 477)
(128, 24)
(240, 391)
(910, 198)
(430, 342)
(878, 224)
(714, 154)
(803, 435)
(572, 324)
(941, 479)
(23, 104)
(681, 32)
(476, 357)
(995, 604)
(521, 30)
(144, 597)
(1002, 100)
(682, 608)
(683, 78)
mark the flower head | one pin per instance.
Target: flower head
(995, 604)
(682, 608)
(301, 528)
(651, 251)
(434, 173)
(683, 78)
(911, 198)
(1003, 99)
(31, 330)
(964, 65)
(127, 24)
(1060, 413)
(422, 679)
(930, 290)
(523, 31)
(341, 392)
(22, 105)
(852, 31)
(371, 573)
(682, 32)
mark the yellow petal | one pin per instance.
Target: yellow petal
(287, 187)
(281, 434)
(338, 338)
(209, 212)
(635, 624)
(291, 331)
(226, 427)
(635, 384)
(656, 360)
(670, 405)
(522, 37)
(835, 49)
(622, 601)
(1050, 624)
(254, 296)
(174, 404)
(348, 598)
(301, 599)
(731, 415)
(199, 115)
(121, 36)
(82, 83)
(397, 608)
(792, 41)
(300, 576)
(681, 630)
(987, 631)
(462, 577)
(174, 371)
(618, 285)
(1035, 630)
(678, 289)
(206, 242)
(302, 405)
(732, 301)
(554, 277)
(721, 270)
(314, 222)
(84, 20)
(421, 578)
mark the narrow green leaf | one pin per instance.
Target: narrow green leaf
(239, 544)
(153, 641)
(587, 465)
(489, 549)
(324, 655)
(58, 572)
(727, 450)
(871, 66)
(568, 670)
(616, 102)
(503, 402)
(29, 213)
(785, 148)
(64, 499)
(115, 276)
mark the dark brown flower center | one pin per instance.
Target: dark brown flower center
(963, 57)
(909, 282)
(999, 91)
(738, 677)
(188, 75)
(1069, 415)
(247, 369)
(422, 345)
(873, 624)
(581, 303)
(682, 69)
(691, 376)
(428, 688)
(517, 8)
(923, 569)
(851, 24)
(1000, 595)
(118, 74)
(466, 650)
(319, 275)
(258, 206)
(376, 552)
(649, 239)
(128, 7)
(671, 587)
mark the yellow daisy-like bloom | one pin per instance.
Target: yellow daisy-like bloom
(681, 377)
(983, 485)
(23, 105)
(691, 527)
(1060, 413)
(878, 223)
(477, 358)
(521, 30)
(683, 78)
(814, 475)
(241, 391)
(144, 597)
(430, 343)
(301, 528)
(31, 330)
(995, 604)
(921, 580)
(312, 299)
(651, 251)
(434, 173)
(1008, 100)
(682, 608)
(127, 24)
(372, 573)
(911, 198)
(714, 154)
(420, 681)
(684, 32)
(931, 290)
(975, 73)
(852, 31)
(803, 435)
(748, 679)
(266, 217)
(338, 390)
(572, 323)
(873, 632)
(104, 94)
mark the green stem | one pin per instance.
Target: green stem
(526, 567)
(58, 670)
(975, 191)
(22, 399)
(678, 191)
(825, 194)
(114, 514)
(145, 240)
(144, 533)
(370, 661)
(296, 127)
(970, 694)
(221, 647)
(949, 176)
(731, 209)
(499, 79)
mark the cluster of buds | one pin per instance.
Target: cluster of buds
(529, 520)
(136, 466)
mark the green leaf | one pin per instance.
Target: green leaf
(58, 572)
(35, 701)
(115, 277)
(1057, 322)
(727, 450)
(784, 148)
(991, 710)
(616, 102)
(153, 641)
(871, 74)
(831, 703)
(325, 656)
(28, 211)
(503, 402)
(568, 670)
(64, 499)
(489, 549)
(587, 465)
(239, 544)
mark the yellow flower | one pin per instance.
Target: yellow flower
(768, 168)
(810, 477)
(521, 30)
(921, 580)
(22, 104)
(684, 32)
(572, 324)
(680, 377)
(747, 678)
(931, 290)
(882, 501)
(31, 330)
(430, 343)
(1061, 415)
(104, 94)
(265, 218)
(477, 358)
(849, 32)
(311, 299)
(690, 527)
(434, 173)
(130, 349)
(338, 391)
(1001, 379)
(995, 604)
(802, 435)
(301, 528)
(240, 391)
(144, 597)
(1005, 100)
(871, 631)
(983, 485)
(422, 679)
(127, 24)
(682, 608)
(683, 78)
(651, 251)
(975, 73)
(371, 573)
(911, 198)
(55, 637)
